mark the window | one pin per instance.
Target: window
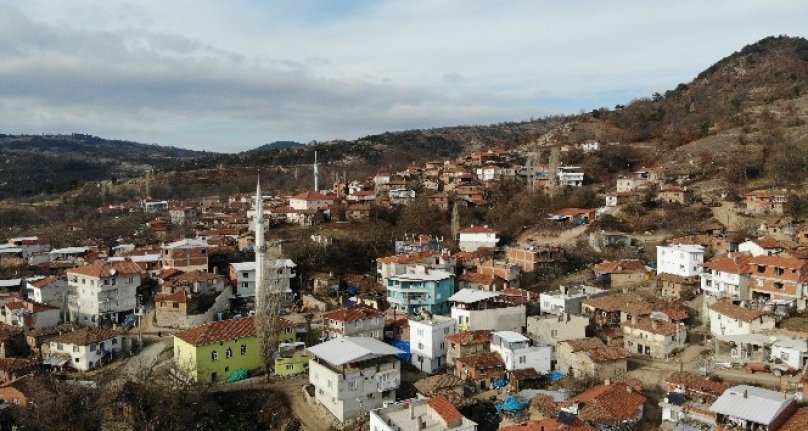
(114, 341)
(290, 366)
(554, 333)
(75, 349)
(228, 353)
(778, 271)
(244, 285)
(214, 356)
(59, 346)
(243, 349)
(76, 360)
(328, 384)
(176, 305)
(522, 359)
(354, 385)
(420, 332)
(245, 274)
(777, 285)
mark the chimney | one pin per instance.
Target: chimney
(607, 382)
(745, 393)
(629, 389)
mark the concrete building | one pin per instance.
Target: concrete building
(103, 293)
(186, 255)
(354, 375)
(568, 299)
(420, 414)
(727, 319)
(570, 176)
(425, 290)
(727, 277)
(85, 349)
(778, 277)
(553, 329)
(476, 237)
(589, 357)
(428, 344)
(685, 260)
(753, 408)
(354, 322)
(480, 310)
(242, 276)
(654, 338)
(517, 352)
(467, 343)
(51, 291)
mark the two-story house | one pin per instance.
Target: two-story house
(467, 343)
(589, 357)
(353, 375)
(728, 319)
(517, 352)
(103, 293)
(476, 237)
(29, 314)
(420, 414)
(652, 337)
(428, 341)
(727, 277)
(753, 408)
(567, 299)
(354, 322)
(684, 260)
(85, 348)
(483, 310)
(186, 255)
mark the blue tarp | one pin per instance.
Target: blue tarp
(511, 404)
(403, 346)
(500, 382)
(555, 375)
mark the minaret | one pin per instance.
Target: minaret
(260, 247)
(316, 174)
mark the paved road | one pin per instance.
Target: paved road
(138, 366)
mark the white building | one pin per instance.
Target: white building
(517, 353)
(553, 329)
(310, 200)
(476, 310)
(103, 293)
(727, 277)
(488, 173)
(51, 291)
(728, 319)
(242, 274)
(570, 176)
(428, 343)
(751, 407)
(567, 300)
(84, 348)
(684, 260)
(761, 247)
(477, 237)
(353, 375)
(424, 414)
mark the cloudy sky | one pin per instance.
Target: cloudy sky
(231, 75)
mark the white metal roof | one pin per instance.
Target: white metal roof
(187, 243)
(4, 249)
(136, 258)
(687, 248)
(511, 336)
(11, 283)
(70, 250)
(468, 296)
(432, 275)
(345, 350)
(752, 403)
(243, 266)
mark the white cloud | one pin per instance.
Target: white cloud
(231, 75)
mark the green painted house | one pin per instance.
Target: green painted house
(292, 359)
(213, 351)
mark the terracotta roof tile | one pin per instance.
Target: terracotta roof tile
(107, 269)
(312, 195)
(85, 336)
(179, 296)
(467, 338)
(353, 314)
(478, 229)
(482, 361)
(696, 383)
(623, 266)
(446, 410)
(611, 403)
(550, 424)
(430, 386)
(738, 264)
(609, 354)
(587, 343)
(629, 302)
(43, 282)
(797, 422)
(654, 326)
(727, 308)
(223, 330)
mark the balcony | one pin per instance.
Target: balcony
(387, 380)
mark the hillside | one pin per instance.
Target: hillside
(33, 164)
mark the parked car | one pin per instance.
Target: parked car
(755, 367)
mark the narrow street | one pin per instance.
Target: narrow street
(139, 366)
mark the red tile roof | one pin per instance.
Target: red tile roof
(738, 264)
(613, 403)
(223, 330)
(551, 424)
(104, 270)
(482, 361)
(446, 410)
(179, 296)
(623, 266)
(727, 308)
(797, 422)
(312, 195)
(353, 314)
(475, 277)
(654, 326)
(696, 383)
(478, 229)
(629, 302)
(85, 336)
(44, 282)
(467, 338)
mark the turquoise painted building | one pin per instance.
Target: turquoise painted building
(427, 289)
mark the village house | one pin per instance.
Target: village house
(570, 176)
(669, 286)
(620, 273)
(351, 376)
(574, 215)
(198, 282)
(652, 337)
(608, 406)
(777, 277)
(552, 329)
(766, 201)
(623, 198)
(180, 216)
(186, 255)
(589, 357)
(480, 369)
(50, 291)
(609, 311)
(14, 368)
(212, 351)
(103, 293)
(428, 344)
(436, 413)
(21, 392)
(685, 260)
(85, 348)
(750, 407)
(568, 299)
(439, 383)
(689, 397)
(467, 343)
(474, 280)
(242, 276)
(413, 262)
(502, 269)
(728, 319)
(477, 237)
(531, 257)
(675, 195)
(422, 290)
(517, 352)
(354, 322)
(482, 310)
(310, 200)
(29, 315)
(727, 277)
(763, 246)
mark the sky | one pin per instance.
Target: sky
(231, 75)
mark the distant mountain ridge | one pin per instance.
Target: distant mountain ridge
(278, 145)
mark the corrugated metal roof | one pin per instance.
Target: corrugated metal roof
(468, 296)
(345, 350)
(752, 403)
